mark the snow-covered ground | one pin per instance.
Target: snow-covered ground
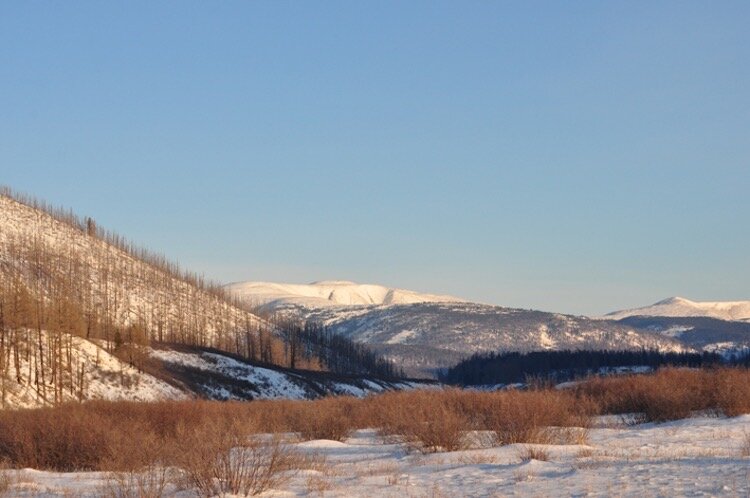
(693, 457)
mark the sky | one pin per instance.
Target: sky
(577, 157)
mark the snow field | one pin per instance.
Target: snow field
(693, 457)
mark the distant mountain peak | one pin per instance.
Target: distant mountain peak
(682, 307)
(673, 300)
(333, 282)
(329, 293)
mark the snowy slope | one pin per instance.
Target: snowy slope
(681, 307)
(212, 375)
(178, 372)
(272, 296)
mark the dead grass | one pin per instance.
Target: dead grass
(528, 453)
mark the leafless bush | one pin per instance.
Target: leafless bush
(219, 458)
(669, 394)
(527, 417)
(672, 393)
(4, 483)
(66, 439)
(150, 482)
(329, 418)
(426, 420)
(140, 459)
(732, 391)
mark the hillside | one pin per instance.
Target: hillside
(433, 334)
(681, 307)
(273, 296)
(702, 333)
(721, 327)
(70, 290)
(174, 372)
(57, 257)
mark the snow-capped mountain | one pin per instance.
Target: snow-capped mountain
(330, 293)
(425, 337)
(681, 307)
(424, 333)
(722, 327)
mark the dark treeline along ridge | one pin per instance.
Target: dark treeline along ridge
(508, 368)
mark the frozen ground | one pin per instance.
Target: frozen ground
(694, 457)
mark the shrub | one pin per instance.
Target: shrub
(669, 394)
(329, 418)
(219, 459)
(732, 391)
(66, 439)
(428, 421)
(527, 416)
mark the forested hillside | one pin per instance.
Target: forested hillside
(63, 277)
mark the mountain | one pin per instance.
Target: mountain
(437, 332)
(701, 333)
(681, 307)
(324, 294)
(721, 327)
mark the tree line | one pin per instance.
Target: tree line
(338, 353)
(558, 366)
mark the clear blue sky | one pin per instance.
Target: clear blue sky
(569, 156)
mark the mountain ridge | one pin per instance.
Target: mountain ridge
(677, 306)
(429, 335)
(328, 293)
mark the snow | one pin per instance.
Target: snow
(694, 457)
(402, 337)
(681, 307)
(271, 384)
(329, 293)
